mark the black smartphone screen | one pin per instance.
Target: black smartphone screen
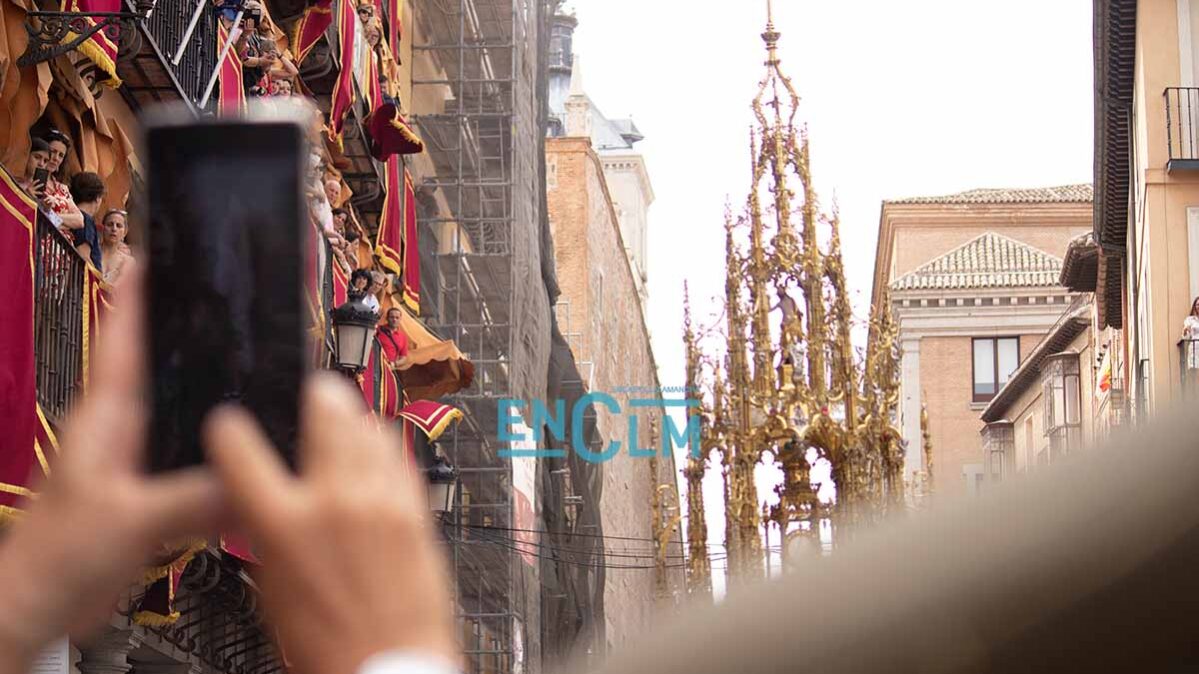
(225, 293)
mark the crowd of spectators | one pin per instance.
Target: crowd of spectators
(72, 205)
(96, 224)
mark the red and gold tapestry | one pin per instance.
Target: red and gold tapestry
(19, 417)
(392, 134)
(343, 89)
(95, 306)
(157, 607)
(311, 26)
(390, 239)
(232, 96)
(430, 416)
(411, 248)
(101, 47)
(395, 23)
(341, 286)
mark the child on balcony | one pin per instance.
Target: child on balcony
(1190, 336)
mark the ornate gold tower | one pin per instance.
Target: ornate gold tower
(797, 389)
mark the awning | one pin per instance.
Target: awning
(435, 367)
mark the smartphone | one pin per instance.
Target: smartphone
(224, 311)
(41, 177)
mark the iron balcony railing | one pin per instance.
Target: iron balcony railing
(1182, 122)
(1188, 365)
(58, 319)
(190, 56)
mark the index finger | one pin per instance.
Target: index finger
(255, 477)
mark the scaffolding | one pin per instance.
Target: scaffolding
(479, 107)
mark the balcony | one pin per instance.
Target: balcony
(1188, 366)
(58, 320)
(150, 72)
(1182, 120)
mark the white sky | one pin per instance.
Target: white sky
(902, 98)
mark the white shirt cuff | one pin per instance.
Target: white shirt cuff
(407, 662)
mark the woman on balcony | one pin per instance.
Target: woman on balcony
(1190, 337)
(114, 251)
(57, 199)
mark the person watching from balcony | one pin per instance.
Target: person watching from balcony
(378, 286)
(39, 155)
(333, 192)
(115, 253)
(392, 339)
(57, 198)
(87, 189)
(256, 58)
(361, 284)
(282, 86)
(341, 219)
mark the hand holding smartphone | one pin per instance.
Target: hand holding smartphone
(41, 178)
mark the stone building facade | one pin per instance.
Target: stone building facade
(973, 281)
(601, 313)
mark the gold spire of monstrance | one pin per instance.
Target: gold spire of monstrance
(797, 388)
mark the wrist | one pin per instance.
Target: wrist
(19, 637)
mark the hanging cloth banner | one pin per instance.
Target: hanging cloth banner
(431, 417)
(374, 88)
(311, 26)
(232, 97)
(411, 248)
(390, 239)
(341, 286)
(395, 24)
(95, 307)
(157, 607)
(391, 133)
(101, 47)
(19, 414)
(343, 89)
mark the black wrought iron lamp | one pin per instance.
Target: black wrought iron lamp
(354, 331)
(442, 483)
(49, 31)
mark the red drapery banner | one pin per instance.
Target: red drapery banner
(390, 239)
(380, 387)
(311, 26)
(343, 89)
(102, 46)
(95, 306)
(19, 414)
(430, 416)
(341, 286)
(395, 24)
(391, 133)
(232, 97)
(397, 245)
(374, 90)
(411, 276)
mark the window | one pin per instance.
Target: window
(995, 359)
(1061, 401)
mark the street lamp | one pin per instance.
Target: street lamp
(443, 478)
(354, 331)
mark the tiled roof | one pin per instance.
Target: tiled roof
(988, 261)
(1039, 195)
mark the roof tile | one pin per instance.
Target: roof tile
(1062, 194)
(989, 260)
